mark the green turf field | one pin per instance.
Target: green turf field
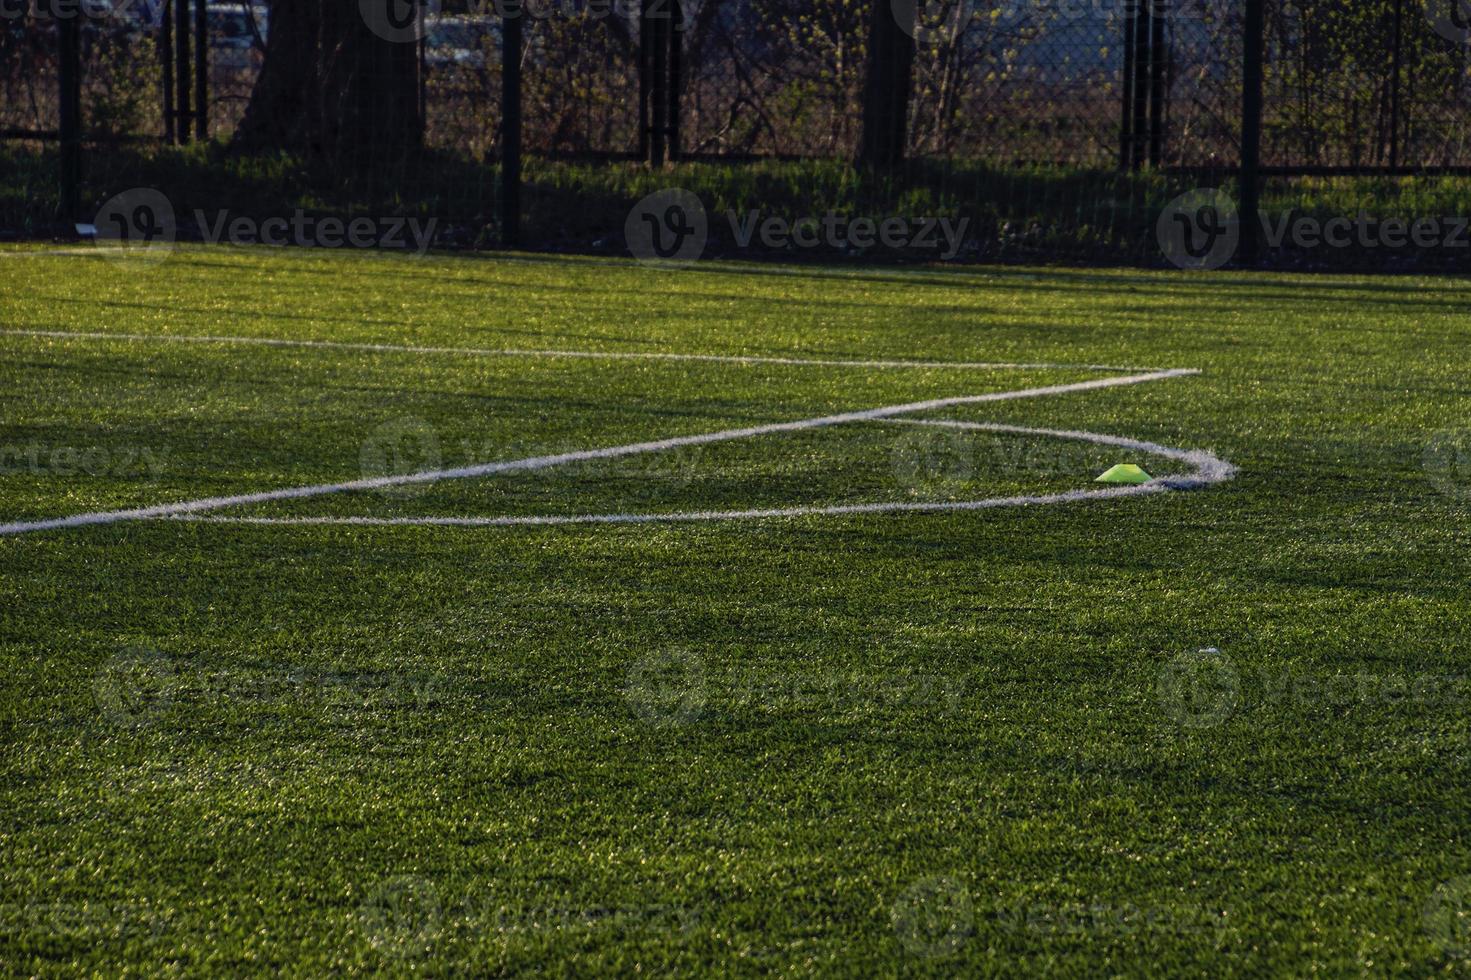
(947, 742)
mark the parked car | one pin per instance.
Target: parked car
(237, 34)
(232, 26)
(460, 41)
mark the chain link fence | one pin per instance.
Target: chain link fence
(1060, 129)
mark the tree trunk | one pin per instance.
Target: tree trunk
(887, 87)
(277, 116)
(334, 90)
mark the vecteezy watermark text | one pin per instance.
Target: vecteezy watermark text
(674, 688)
(408, 22)
(408, 915)
(38, 459)
(141, 222)
(1201, 229)
(935, 917)
(940, 235)
(672, 227)
(140, 688)
(1202, 689)
(945, 21)
(1451, 19)
(309, 231)
(578, 9)
(59, 10)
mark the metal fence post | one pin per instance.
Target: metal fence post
(644, 44)
(1126, 80)
(201, 69)
(69, 78)
(1251, 132)
(656, 64)
(1396, 60)
(1158, 78)
(511, 43)
(1139, 129)
(166, 62)
(676, 70)
(181, 65)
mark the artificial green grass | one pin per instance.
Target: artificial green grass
(945, 744)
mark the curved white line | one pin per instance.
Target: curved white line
(1208, 469)
(187, 507)
(579, 354)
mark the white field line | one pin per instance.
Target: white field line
(74, 250)
(545, 462)
(581, 354)
(1208, 469)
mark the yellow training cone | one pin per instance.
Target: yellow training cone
(1124, 473)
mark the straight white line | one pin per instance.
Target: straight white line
(581, 354)
(1208, 469)
(544, 462)
(682, 516)
(77, 250)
